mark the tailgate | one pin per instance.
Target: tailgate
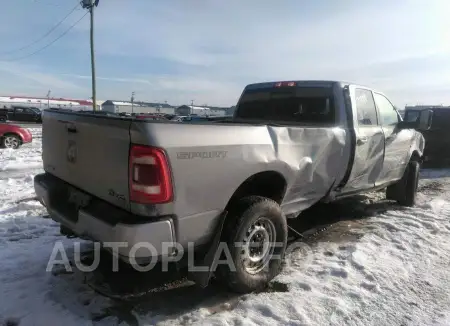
(89, 152)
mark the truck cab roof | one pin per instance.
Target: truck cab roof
(307, 83)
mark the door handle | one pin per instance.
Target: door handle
(362, 140)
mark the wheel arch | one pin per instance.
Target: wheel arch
(12, 133)
(270, 184)
(416, 156)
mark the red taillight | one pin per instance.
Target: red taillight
(286, 83)
(150, 181)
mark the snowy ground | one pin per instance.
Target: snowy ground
(377, 264)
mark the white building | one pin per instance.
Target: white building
(128, 107)
(199, 110)
(44, 103)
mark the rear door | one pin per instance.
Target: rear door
(88, 152)
(369, 151)
(19, 114)
(397, 142)
(304, 131)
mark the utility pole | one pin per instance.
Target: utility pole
(90, 5)
(48, 99)
(132, 102)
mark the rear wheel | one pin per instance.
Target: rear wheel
(256, 236)
(11, 141)
(405, 190)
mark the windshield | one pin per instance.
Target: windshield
(288, 104)
(36, 110)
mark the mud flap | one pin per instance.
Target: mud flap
(202, 278)
(329, 197)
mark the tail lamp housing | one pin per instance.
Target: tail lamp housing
(149, 175)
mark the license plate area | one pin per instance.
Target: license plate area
(78, 198)
(69, 201)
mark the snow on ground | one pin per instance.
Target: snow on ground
(389, 268)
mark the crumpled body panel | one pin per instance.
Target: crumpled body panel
(315, 158)
(209, 162)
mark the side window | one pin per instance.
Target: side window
(19, 110)
(365, 107)
(387, 111)
(441, 120)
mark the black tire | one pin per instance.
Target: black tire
(405, 190)
(246, 220)
(11, 141)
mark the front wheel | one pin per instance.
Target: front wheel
(11, 141)
(256, 236)
(405, 190)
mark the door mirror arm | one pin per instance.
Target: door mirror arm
(406, 125)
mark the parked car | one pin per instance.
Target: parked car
(193, 118)
(151, 117)
(13, 136)
(22, 114)
(196, 118)
(437, 138)
(220, 118)
(289, 145)
(178, 118)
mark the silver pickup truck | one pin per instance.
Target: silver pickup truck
(288, 146)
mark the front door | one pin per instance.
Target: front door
(369, 151)
(397, 142)
(29, 115)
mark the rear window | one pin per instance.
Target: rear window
(411, 115)
(288, 104)
(441, 118)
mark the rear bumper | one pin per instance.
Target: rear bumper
(103, 222)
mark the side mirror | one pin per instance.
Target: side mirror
(425, 120)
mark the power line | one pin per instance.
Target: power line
(44, 36)
(56, 39)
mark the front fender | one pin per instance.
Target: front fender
(25, 136)
(417, 146)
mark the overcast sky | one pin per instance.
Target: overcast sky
(207, 51)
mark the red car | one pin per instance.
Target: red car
(13, 136)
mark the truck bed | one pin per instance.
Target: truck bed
(208, 161)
